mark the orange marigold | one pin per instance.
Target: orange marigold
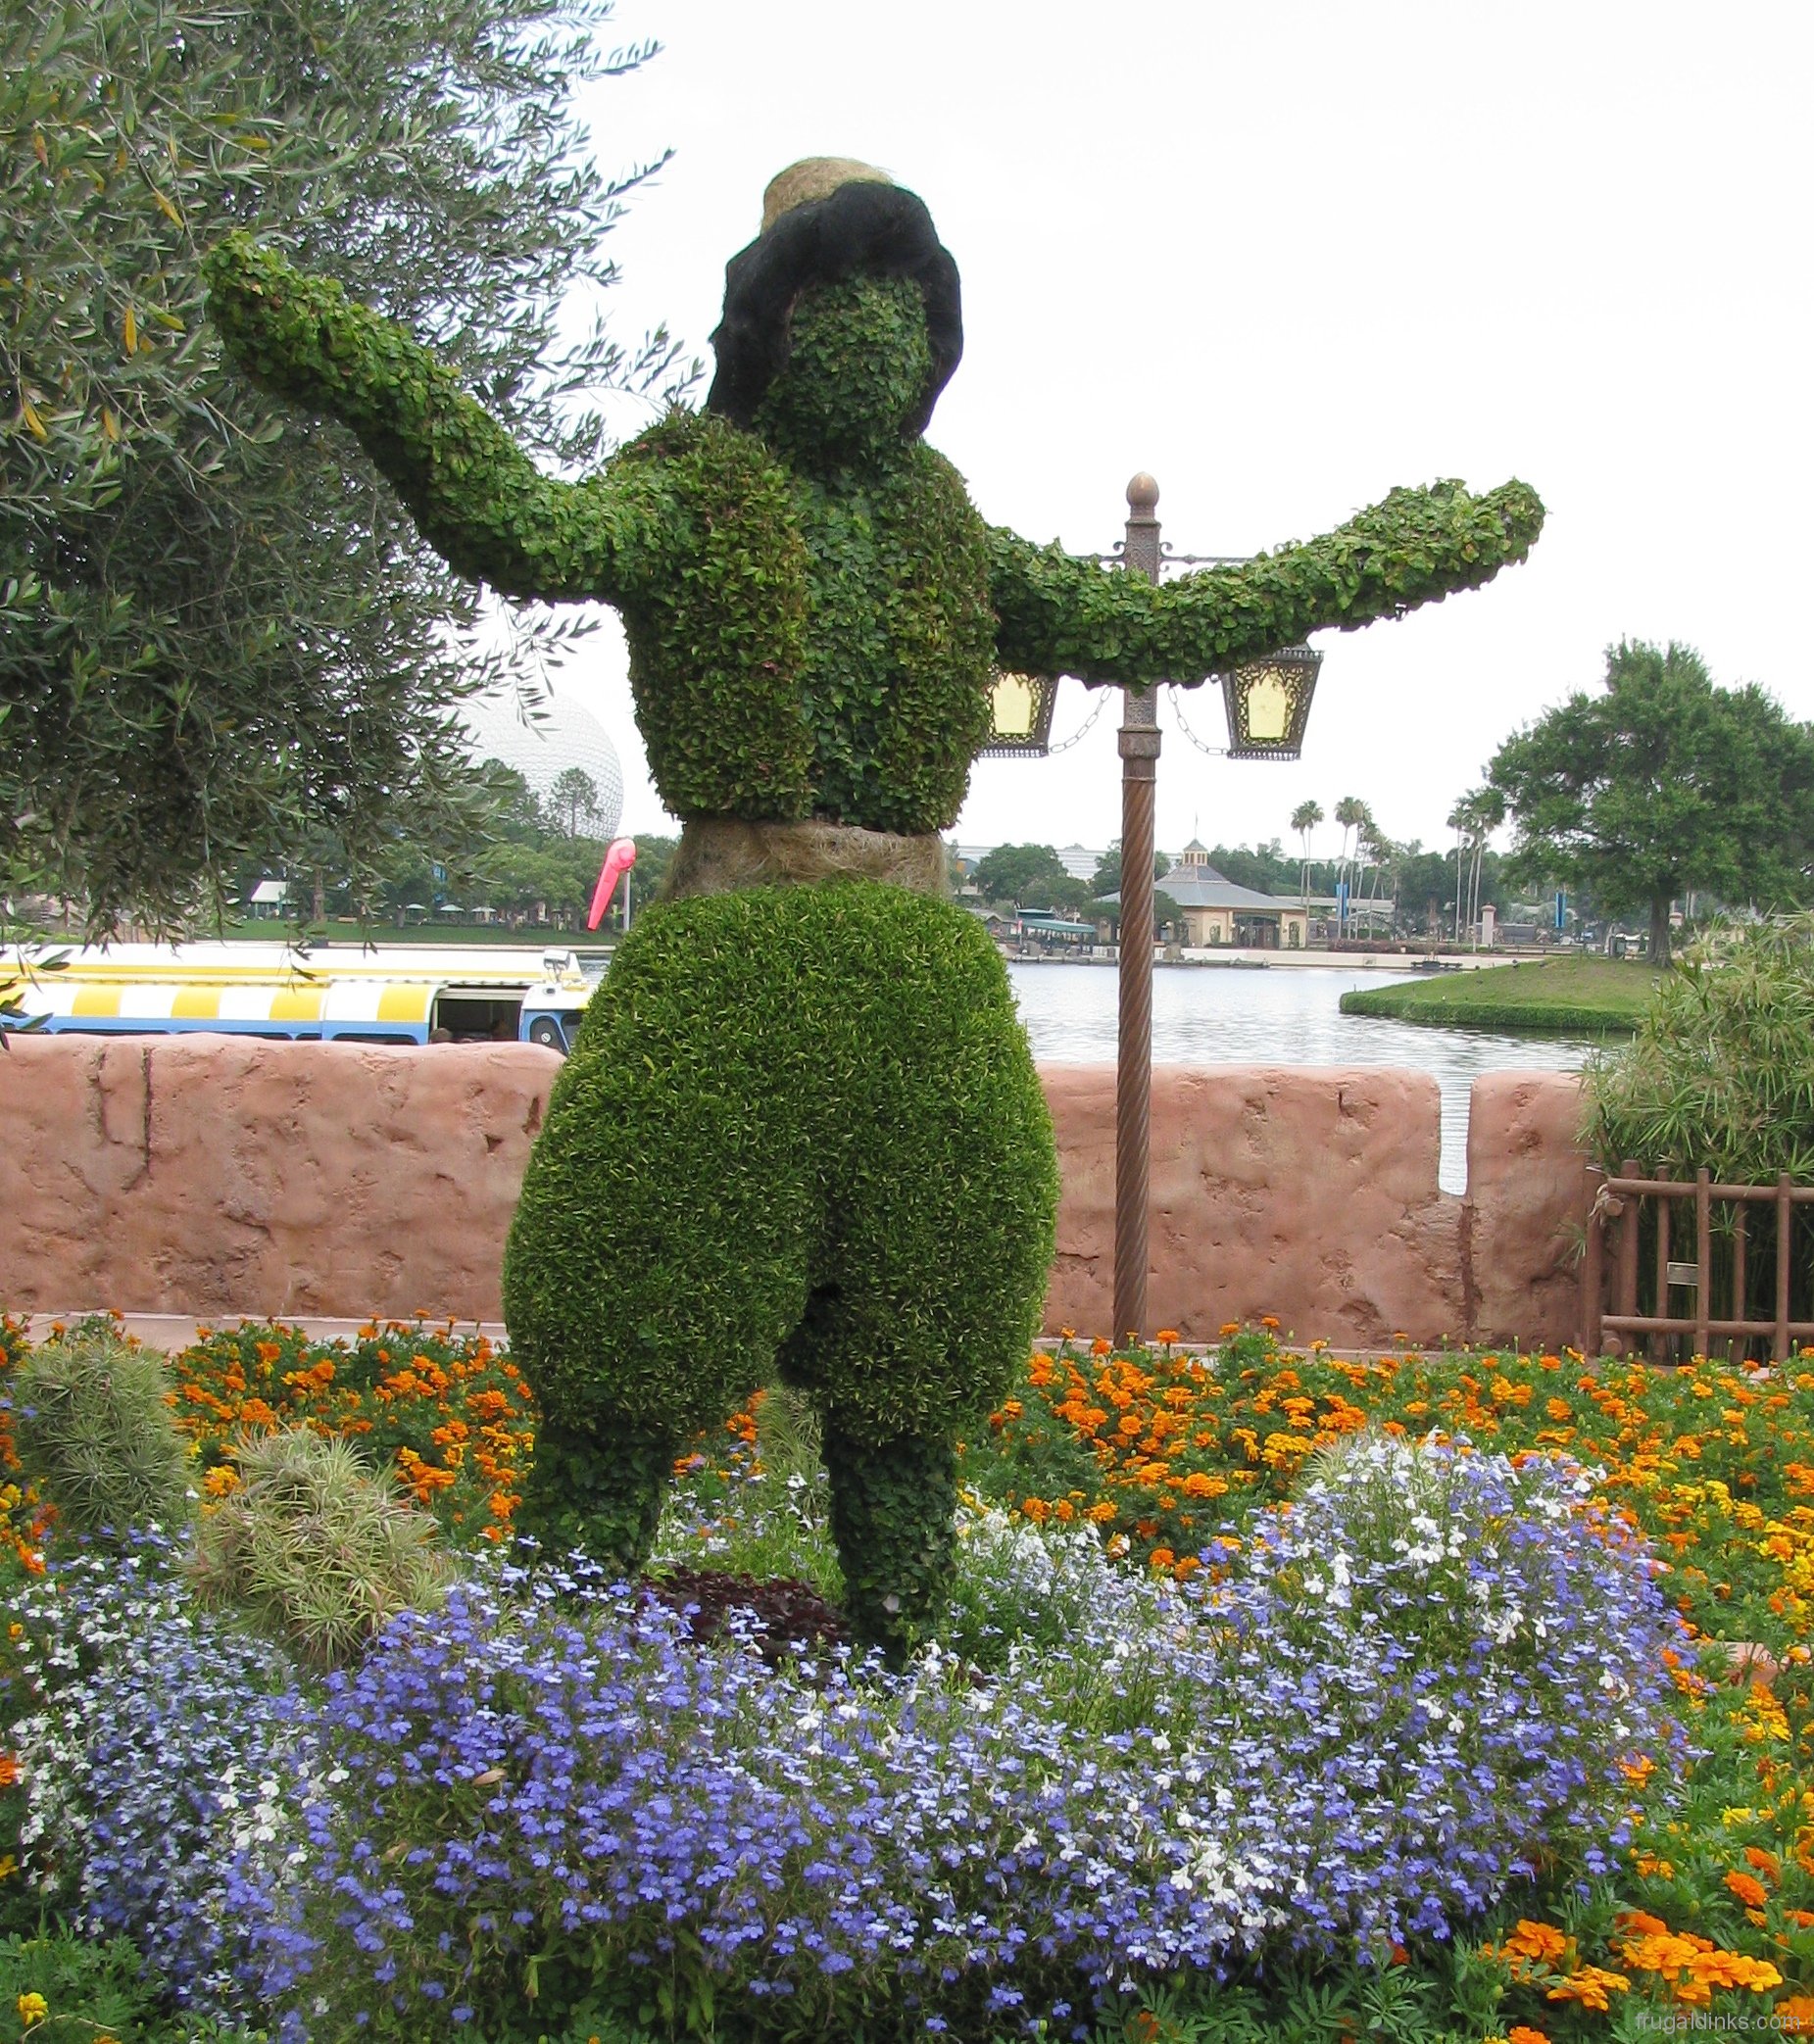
(1589, 1985)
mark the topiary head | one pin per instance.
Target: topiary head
(854, 385)
(841, 319)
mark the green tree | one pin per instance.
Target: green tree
(1662, 783)
(1106, 879)
(573, 799)
(218, 631)
(653, 855)
(1031, 876)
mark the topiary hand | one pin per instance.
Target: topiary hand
(1057, 614)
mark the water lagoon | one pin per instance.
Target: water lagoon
(1221, 1014)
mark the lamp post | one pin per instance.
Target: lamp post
(1268, 704)
(1138, 743)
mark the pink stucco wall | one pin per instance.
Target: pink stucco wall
(216, 1175)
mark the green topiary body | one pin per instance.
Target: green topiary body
(802, 1125)
(800, 1128)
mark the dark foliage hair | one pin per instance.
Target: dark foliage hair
(862, 228)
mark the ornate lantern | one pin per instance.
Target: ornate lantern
(1020, 709)
(1268, 704)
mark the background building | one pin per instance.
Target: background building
(562, 735)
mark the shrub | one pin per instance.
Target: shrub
(1720, 1071)
(316, 1547)
(96, 1433)
(93, 1990)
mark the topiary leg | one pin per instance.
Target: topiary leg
(599, 1492)
(893, 1510)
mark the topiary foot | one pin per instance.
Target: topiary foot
(894, 1508)
(600, 1493)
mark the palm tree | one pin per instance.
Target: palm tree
(1304, 819)
(1350, 813)
(1457, 821)
(1486, 813)
(1380, 859)
(1473, 819)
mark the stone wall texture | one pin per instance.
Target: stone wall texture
(220, 1176)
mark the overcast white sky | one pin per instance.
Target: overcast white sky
(1286, 255)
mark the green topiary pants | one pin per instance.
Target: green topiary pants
(800, 1133)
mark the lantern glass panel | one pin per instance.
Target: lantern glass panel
(1269, 710)
(1268, 704)
(1020, 709)
(1013, 705)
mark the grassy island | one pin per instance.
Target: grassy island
(1574, 996)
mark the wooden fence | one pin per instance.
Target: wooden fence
(1617, 1212)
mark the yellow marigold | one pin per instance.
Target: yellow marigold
(33, 2007)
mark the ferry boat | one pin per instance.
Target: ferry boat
(399, 994)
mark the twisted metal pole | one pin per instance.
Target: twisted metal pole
(1139, 741)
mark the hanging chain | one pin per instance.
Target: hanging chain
(1077, 736)
(1177, 711)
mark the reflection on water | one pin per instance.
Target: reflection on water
(1220, 1015)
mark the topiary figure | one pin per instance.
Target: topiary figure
(316, 1547)
(801, 1124)
(96, 1433)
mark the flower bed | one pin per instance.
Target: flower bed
(1161, 1447)
(1416, 1746)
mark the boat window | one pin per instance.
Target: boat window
(478, 1018)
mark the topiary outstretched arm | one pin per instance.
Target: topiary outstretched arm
(479, 500)
(1056, 614)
